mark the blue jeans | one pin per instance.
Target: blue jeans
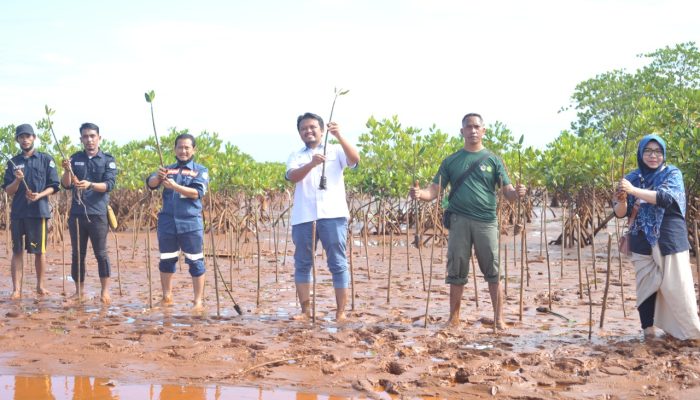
(332, 233)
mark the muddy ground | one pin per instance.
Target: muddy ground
(382, 348)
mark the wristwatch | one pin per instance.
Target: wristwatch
(91, 185)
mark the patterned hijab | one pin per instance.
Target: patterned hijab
(665, 178)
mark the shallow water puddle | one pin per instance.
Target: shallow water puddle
(84, 388)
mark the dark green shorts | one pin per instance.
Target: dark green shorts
(465, 233)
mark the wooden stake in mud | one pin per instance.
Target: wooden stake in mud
(546, 250)
(522, 272)
(313, 272)
(79, 282)
(476, 285)
(213, 252)
(365, 233)
(352, 272)
(590, 307)
(595, 274)
(505, 265)
(542, 219)
(408, 244)
(577, 222)
(148, 267)
(63, 251)
(607, 283)
(697, 256)
(619, 259)
(388, 284)
(432, 249)
(119, 274)
(563, 240)
(257, 242)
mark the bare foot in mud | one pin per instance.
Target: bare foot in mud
(197, 305)
(452, 323)
(301, 317)
(341, 318)
(501, 325)
(15, 295)
(76, 298)
(105, 298)
(40, 291)
(166, 301)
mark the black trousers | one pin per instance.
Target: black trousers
(96, 230)
(646, 311)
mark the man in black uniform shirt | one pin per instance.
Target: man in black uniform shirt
(91, 174)
(30, 206)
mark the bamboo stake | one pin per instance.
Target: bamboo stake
(546, 250)
(505, 264)
(352, 272)
(577, 221)
(80, 281)
(697, 255)
(382, 224)
(476, 285)
(607, 283)
(595, 275)
(432, 249)
(408, 243)
(365, 233)
(148, 267)
(542, 219)
(212, 246)
(135, 233)
(313, 270)
(276, 235)
(419, 244)
(391, 247)
(21, 271)
(563, 240)
(590, 308)
(524, 251)
(522, 272)
(119, 274)
(63, 251)
(257, 243)
(286, 236)
(619, 259)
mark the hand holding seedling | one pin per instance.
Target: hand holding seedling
(415, 191)
(318, 159)
(31, 196)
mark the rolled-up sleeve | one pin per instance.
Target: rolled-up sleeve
(200, 182)
(110, 175)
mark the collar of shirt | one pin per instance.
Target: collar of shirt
(99, 154)
(188, 165)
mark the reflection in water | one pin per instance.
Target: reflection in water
(86, 388)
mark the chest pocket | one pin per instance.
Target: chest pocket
(80, 170)
(97, 171)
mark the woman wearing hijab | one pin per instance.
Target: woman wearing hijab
(658, 241)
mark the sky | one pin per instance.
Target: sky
(247, 69)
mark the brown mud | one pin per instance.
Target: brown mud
(382, 348)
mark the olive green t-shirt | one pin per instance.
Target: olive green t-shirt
(476, 197)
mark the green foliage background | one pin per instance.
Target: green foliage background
(614, 109)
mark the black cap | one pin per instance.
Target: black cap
(24, 128)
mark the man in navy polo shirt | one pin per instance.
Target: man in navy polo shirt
(30, 177)
(180, 225)
(91, 174)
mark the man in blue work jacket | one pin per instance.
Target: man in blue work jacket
(180, 225)
(30, 177)
(91, 174)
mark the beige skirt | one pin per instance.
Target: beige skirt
(676, 311)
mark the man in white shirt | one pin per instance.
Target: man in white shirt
(327, 207)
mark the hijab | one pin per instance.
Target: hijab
(664, 178)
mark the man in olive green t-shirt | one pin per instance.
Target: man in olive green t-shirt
(472, 214)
